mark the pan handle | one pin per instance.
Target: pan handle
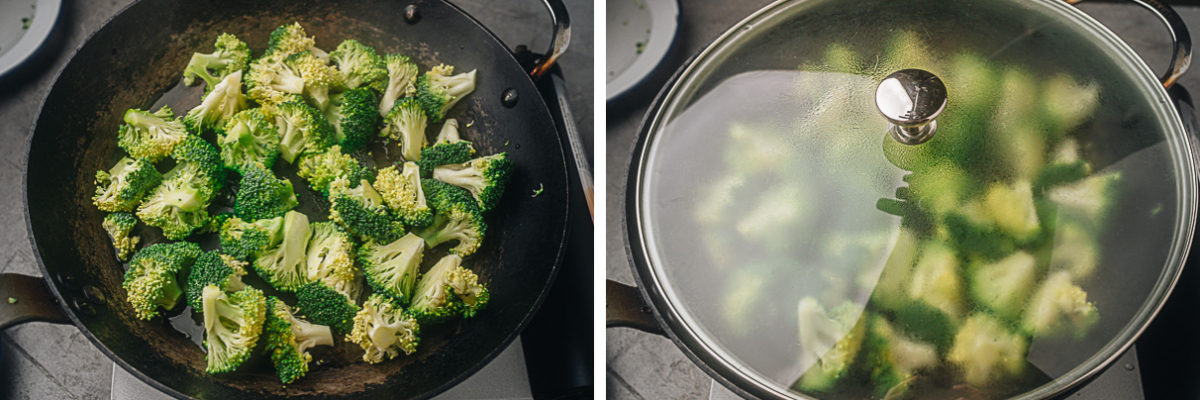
(1181, 54)
(26, 298)
(625, 307)
(558, 44)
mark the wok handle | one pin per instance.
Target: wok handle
(558, 44)
(625, 307)
(26, 298)
(1181, 56)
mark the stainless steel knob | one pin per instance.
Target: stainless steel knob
(911, 99)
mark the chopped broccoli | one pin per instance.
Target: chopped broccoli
(1059, 307)
(401, 189)
(1065, 167)
(939, 189)
(318, 77)
(439, 89)
(359, 63)
(302, 130)
(401, 76)
(392, 268)
(449, 132)
(194, 154)
(150, 135)
(362, 211)
(935, 280)
(323, 305)
(284, 265)
(353, 118)
(985, 352)
(231, 55)
(124, 186)
(232, 324)
(289, 338)
(219, 105)
(485, 177)
(151, 282)
(893, 358)
(261, 195)
(773, 217)
(331, 258)
(829, 343)
(179, 205)
(382, 328)
(321, 169)
(119, 225)
(447, 149)
(891, 288)
(1075, 250)
(1069, 103)
(1004, 286)
(272, 79)
(972, 231)
(213, 268)
(1012, 209)
(448, 290)
(247, 240)
(1089, 199)
(249, 138)
(406, 123)
(457, 217)
(290, 39)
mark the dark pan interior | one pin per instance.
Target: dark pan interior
(139, 55)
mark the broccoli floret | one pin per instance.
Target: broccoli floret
(246, 240)
(323, 305)
(232, 324)
(935, 280)
(359, 63)
(272, 79)
(353, 118)
(219, 105)
(457, 217)
(439, 89)
(261, 195)
(448, 290)
(318, 77)
(361, 210)
(1089, 199)
(893, 358)
(214, 223)
(249, 138)
(1076, 250)
(402, 192)
(829, 343)
(1069, 103)
(1059, 307)
(151, 282)
(485, 177)
(284, 265)
(1012, 209)
(119, 225)
(302, 130)
(401, 76)
(1066, 167)
(214, 268)
(1004, 286)
(289, 338)
(290, 39)
(231, 55)
(331, 258)
(986, 352)
(392, 268)
(179, 205)
(444, 153)
(150, 135)
(321, 169)
(406, 123)
(382, 328)
(124, 186)
(195, 154)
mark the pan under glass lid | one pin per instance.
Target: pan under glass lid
(803, 247)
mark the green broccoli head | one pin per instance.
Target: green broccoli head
(445, 153)
(457, 217)
(318, 77)
(359, 63)
(406, 123)
(331, 258)
(401, 189)
(150, 281)
(361, 210)
(179, 205)
(124, 186)
(219, 105)
(289, 338)
(439, 89)
(231, 55)
(232, 324)
(1059, 308)
(1090, 199)
(302, 129)
(290, 39)
(383, 328)
(249, 138)
(1004, 286)
(150, 135)
(353, 118)
(392, 268)
(261, 195)
(119, 225)
(401, 75)
(321, 169)
(323, 305)
(829, 342)
(986, 352)
(284, 265)
(272, 80)
(193, 153)
(246, 240)
(447, 291)
(893, 359)
(485, 177)
(213, 268)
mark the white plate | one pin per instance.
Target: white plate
(639, 34)
(17, 43)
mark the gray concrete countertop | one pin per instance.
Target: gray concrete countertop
(44, 361)
(644, 366)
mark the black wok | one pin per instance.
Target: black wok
(139, 54)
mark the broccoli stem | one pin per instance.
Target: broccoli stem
(186, 199)
(171, 292)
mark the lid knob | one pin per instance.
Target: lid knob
(911, 99)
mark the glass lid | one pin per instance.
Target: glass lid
(817, 219)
